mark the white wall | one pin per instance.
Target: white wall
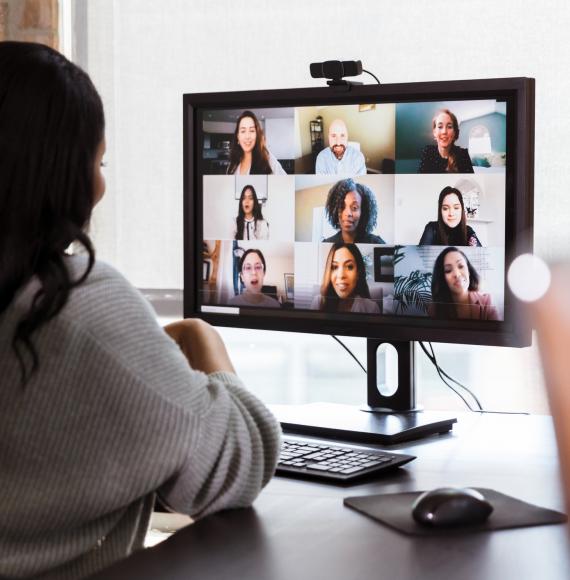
(144, 55)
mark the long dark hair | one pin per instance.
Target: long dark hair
(329, 298)
(259, 156)
(443, 230)
(257, 214)
(442, 301)
(451, 160)
(52, 122)
(335, 205)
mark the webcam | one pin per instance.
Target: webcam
(336, 70)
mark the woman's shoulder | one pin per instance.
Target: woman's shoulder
(366, 305)
(334, 239)
(276, 167)
(484, 301)
(430, 160)
(463, 159)
(371, 239)
(429, 236)
(101, 275)
(480, 298)
(270, 302)
(105, 298)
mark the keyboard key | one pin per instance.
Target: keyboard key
(353, 469)
(319, 467)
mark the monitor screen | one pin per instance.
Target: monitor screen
(387, 211)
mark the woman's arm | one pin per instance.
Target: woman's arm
(201, 345)
(428, 237)
(424, 161)
(276, 167)
(472, 239)
(551, 317)
(464, 164)
(262, 230)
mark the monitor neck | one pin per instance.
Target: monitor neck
(403, 398)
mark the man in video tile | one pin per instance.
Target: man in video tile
(340, 157)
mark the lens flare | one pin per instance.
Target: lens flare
(528, 277)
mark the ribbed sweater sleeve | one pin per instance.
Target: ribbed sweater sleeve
(114, 415)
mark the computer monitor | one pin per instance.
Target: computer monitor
(390, 212)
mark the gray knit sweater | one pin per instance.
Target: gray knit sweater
(113, 416)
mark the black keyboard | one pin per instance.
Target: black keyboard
(335, 463)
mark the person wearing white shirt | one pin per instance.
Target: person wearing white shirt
(340, 157)
(250, 224)
(249, 154)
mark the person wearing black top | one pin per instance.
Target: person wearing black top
(352, 209)
(445, 156)
(451, 228)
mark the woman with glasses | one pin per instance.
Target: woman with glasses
(252, 269)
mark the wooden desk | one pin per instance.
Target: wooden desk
(300, 530)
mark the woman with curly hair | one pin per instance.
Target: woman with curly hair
(249, 154)
(445, 156)
(455, 289)
(351, 208)
(344, 287)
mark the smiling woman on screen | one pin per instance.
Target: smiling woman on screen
(249, 154)
(451, 226)
(344, 287)
(445, 156)
(455, 289)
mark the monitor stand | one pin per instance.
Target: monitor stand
(387, 419)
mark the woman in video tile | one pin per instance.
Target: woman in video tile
(252, 268)
(351, 208)
(445, 156)
(455, 289)
(344, 287)
(249, 154)
(250, 224)
(451, 226)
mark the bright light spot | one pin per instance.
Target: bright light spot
(529, 278)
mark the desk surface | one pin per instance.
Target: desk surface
(301, 530)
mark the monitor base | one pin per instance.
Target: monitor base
(334, 421)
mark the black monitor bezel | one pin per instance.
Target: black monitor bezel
(519, 92)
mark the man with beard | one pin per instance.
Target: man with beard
(339, 157)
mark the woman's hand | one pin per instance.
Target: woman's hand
(201, 344)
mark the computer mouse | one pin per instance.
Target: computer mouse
(451, 506)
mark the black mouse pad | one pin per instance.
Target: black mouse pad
(395, 510)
